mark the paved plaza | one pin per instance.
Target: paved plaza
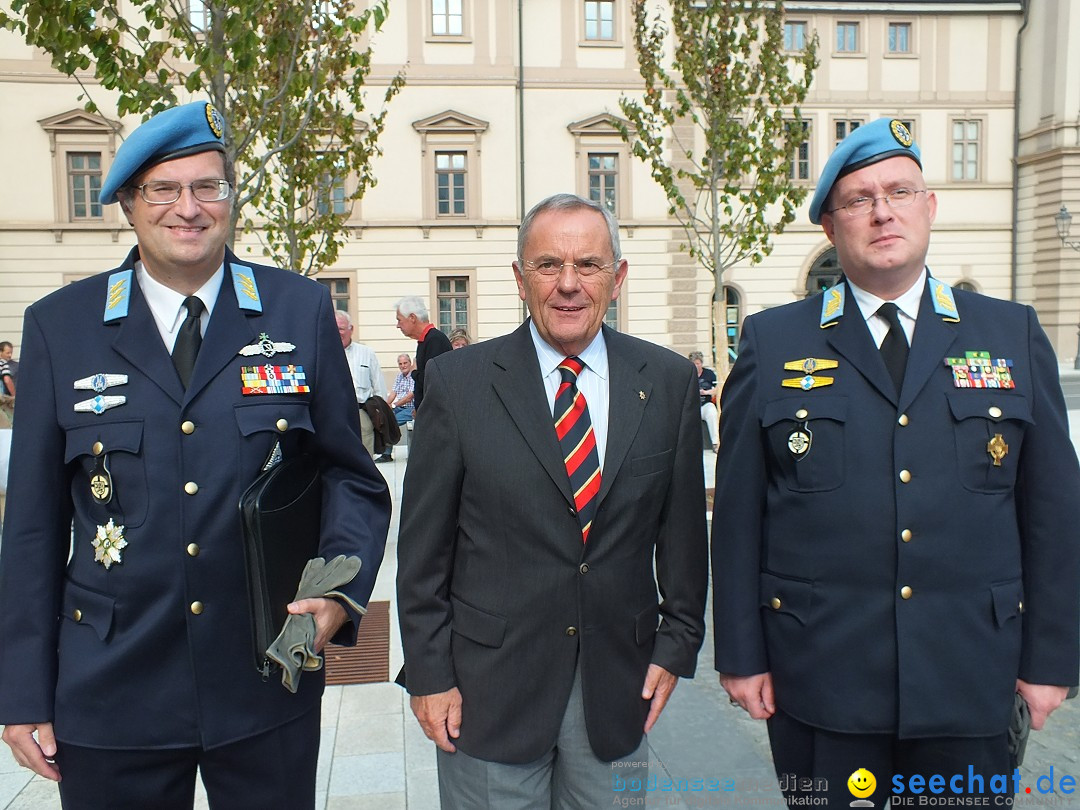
(373, 755)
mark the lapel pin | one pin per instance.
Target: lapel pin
(641, 395)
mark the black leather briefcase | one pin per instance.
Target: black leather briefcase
(281, 513)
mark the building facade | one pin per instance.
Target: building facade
(508, 101)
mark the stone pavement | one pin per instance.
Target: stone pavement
(373, 755)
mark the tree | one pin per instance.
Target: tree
(288, 75)
(719, 127)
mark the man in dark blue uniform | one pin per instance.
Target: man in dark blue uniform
(153, 396)
(895, 551)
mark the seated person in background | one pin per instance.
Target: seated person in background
(401, 398)
(707, 383)
(459, 338)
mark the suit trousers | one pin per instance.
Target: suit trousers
(273, 769)
(568, 777)
(367, 432)
(815, 762)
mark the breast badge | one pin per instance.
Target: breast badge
(100, 382)
(101, 487)
(99, 404)
(997, 448)
(107, 543)
(266, 347)
(799, 442)
(809, 365)
(979, 370)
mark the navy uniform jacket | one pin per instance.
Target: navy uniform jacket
(119, 657)
(812, 551)
(498, 596)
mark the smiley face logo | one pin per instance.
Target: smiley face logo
(861, 783)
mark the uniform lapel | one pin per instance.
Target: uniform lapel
(518, 385)
(851, 338)
(626, 406)
(228, 331)
(929, 346)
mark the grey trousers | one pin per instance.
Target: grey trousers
(367, 432)
(568, 777)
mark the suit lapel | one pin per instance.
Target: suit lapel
(520, 388)
(929, 346)
(626, 406)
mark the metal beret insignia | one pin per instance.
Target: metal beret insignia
(216, 122)
(901, 133)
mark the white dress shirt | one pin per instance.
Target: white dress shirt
(167, 305)
(908, 304)
(366, 373)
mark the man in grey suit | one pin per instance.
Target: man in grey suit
(553, 468)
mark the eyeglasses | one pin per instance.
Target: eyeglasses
(553, 267)
(897, 198)
(163, 192)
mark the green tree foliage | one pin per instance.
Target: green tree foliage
(288, 75)
(719, 124)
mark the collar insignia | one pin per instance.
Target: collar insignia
(832, 305)
(247, 291)
(944, 303)
(118, 297)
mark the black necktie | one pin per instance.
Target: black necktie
(894, 348)
(188, 340)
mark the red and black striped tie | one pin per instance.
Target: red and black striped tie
(578, 442)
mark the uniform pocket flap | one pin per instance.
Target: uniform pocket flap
(646, 624)
(84, 606)
(815, 407)
(113, 436)
(782, 595)
(259, 417)
(965, 404)
(1008, 600)
(478, 625)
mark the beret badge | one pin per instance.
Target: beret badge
(217, 123)
(901, 133)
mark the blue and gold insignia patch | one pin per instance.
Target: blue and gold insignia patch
(810, 364)
(247, 291)
(832, 305)
(979, 370)
(944, 303)
(806, 383)
(270, 379)
(118, 296)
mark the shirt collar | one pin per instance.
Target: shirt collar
(167, 304)
(908, 302)
(594, 357)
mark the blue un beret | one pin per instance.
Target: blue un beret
(173, 133)
(878, 140)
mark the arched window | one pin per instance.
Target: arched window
(824, 273)
(732, 321)
(965, 285)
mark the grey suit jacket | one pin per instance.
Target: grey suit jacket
(496, 592)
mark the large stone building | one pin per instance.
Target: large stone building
(508, 101)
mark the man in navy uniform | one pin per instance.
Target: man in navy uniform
(895, 551)
(132, 662)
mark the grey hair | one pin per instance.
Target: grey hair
(696, 356)
(340, 313)
(412, 305)
(568, 202)
(405, 356)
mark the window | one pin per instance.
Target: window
(965, 285)
(845, 128)
(899, 37)
(824, 273)
(450, 184)
(847, 37)
(732, 321)
(603, 176)
(198, 15)
(339, 292)
(84, 185)
(600, 19)
(795, 36)
(611, 317)
(800, 157)
(331, 196)
(452, 296)
(450, 152)
(965, 150)
(446, 18)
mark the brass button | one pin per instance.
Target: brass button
(196, 608)
(282, 425)
(191, 487)
(584, 568)
(77, 615)
(188, 426)
(905, 592)
(775, 603)
(802, 413)
(571, 631)
(905, 535)
(903, 420)
(193, 549)
(1020, 606)
(905, 476)
(97, 448)
(995, 412)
